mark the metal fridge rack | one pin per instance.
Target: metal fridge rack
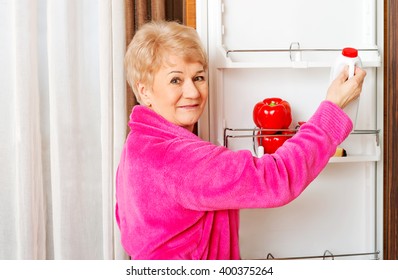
(228, 135)
(327, 255)
(315, 57)
(292, 50)
(253, 135)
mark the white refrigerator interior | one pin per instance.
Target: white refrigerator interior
(265, 48)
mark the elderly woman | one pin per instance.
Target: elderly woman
(178, 197)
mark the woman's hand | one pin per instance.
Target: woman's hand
(343, 90)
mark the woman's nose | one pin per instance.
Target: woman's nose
(190, 90)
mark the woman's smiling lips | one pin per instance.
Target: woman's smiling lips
(193, 106)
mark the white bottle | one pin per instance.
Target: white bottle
(348, 56)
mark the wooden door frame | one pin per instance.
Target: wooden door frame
(390, 162)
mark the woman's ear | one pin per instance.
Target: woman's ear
(145, 94)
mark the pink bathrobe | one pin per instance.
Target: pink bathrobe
(178, 197)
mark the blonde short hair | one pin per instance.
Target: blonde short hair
(152, 44)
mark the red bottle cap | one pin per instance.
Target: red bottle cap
(350, 52)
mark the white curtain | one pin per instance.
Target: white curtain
(62, 127)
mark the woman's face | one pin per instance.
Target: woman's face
(179, 92)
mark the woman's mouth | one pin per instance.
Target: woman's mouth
(190, 106)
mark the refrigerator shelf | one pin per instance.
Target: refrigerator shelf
(292, 57)
(234, 133)
(327, 255)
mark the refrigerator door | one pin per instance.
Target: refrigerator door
(263, 48)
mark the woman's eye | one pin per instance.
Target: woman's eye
(175, 81)
(199, 78)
